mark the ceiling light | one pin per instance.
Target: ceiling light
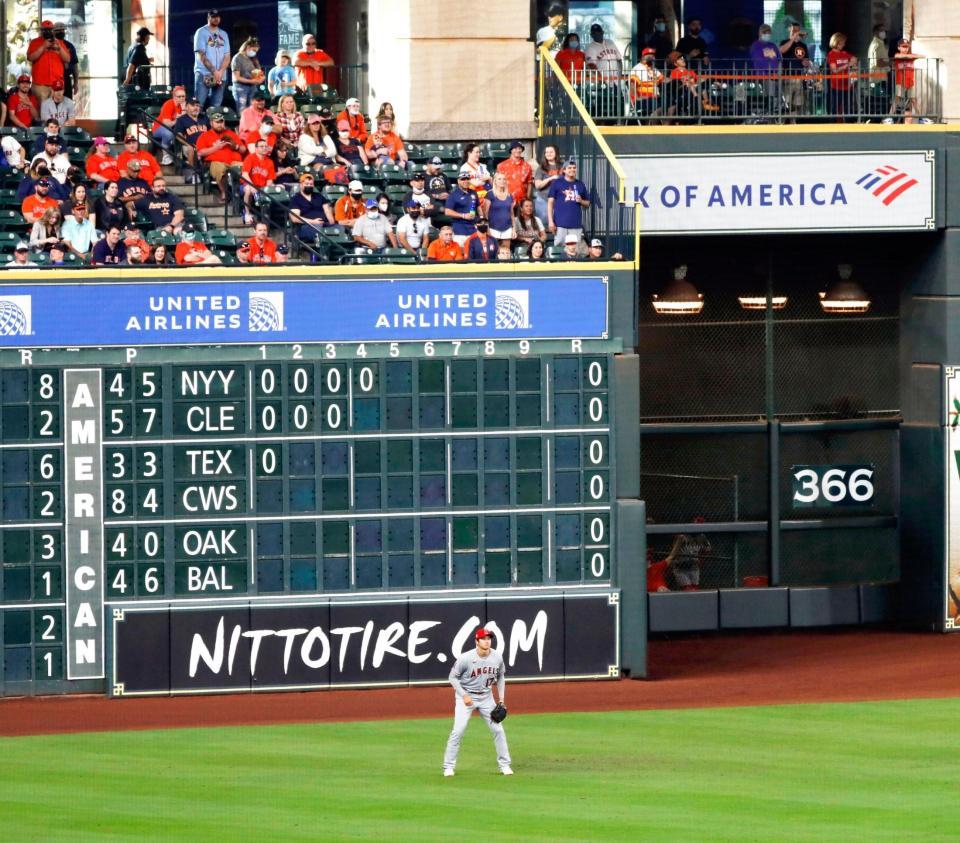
(845, 296)
(760, 302)
(679, 297)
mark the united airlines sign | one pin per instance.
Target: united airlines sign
(789, 192)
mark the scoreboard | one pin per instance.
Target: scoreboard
(208, 473)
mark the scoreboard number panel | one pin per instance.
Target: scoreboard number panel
(299, 476)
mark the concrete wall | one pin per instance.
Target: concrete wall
(936, 32)
(450, 73)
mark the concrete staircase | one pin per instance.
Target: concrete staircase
(207, 202)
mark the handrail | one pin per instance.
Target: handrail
(584, 114)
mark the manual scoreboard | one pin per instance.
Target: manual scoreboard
(220, 471)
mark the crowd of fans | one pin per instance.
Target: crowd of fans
(673, 81)
(87, 211)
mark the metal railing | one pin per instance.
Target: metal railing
(736, 92)
(565, 123)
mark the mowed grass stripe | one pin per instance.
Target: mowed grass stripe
(845, 772)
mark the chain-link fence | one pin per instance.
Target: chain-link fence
(747, 408)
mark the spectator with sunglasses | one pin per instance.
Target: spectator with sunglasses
(164, 126)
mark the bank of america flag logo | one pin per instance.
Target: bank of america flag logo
(266, 312)
(16, 316)
(887, 183)
(512, 310)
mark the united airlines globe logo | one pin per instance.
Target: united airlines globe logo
(511, 310)
(15, 313)
(266, 312)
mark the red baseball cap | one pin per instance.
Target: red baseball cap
(46, 24)
(57, 85)
(648, 51)
(483, 633)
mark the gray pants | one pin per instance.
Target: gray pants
(561, 235)
(461, 719)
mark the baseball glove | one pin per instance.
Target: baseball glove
(499, 713)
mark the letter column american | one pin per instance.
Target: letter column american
(83, 522)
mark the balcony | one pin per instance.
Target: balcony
(736, 93)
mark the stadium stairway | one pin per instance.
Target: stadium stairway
(209, 204)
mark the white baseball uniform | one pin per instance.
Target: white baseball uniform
(475, 676)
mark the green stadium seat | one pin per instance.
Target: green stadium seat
(399, 256)
(362, 259)
(220, 238)
(554, 253)
(367, 174)
(370, 191)
(392, 174)
(11, 220)
(449, 152)
(164, 91)
(334, 191)
(396, 192)
(154, 238)
(451, 171)
(496, 151)
(226, 258)
(196, 217)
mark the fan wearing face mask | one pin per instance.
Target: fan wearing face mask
(571, 59)
(660, 39)
(413, 228)
(373, 230)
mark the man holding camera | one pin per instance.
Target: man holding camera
(49, 58)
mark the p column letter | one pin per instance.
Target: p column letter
(83, 521)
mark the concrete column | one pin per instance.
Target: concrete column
(453, 72)
(936, 32)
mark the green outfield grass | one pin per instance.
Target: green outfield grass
(864, 771)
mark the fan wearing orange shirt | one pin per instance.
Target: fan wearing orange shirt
(264, 131)
(192, 252)
(259, 248)
(36, 205)
(220, 148)
(258, 173)
(162, 128)
(310, 62)
(149, 168)
(385, 146)
(518, 172)
(101, 165)
(445, 248)
(358, 126)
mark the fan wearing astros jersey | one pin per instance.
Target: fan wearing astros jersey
(473, 676)
(259, 172)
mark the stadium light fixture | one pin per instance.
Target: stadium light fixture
(760, 302)
(846, 295)
(679, 297)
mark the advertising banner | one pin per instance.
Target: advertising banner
(786, 192)
(55, 315)
(951, 597)
(330, 643)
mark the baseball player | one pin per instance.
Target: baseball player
(473, 676)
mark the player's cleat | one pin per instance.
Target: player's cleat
(447, 773)
(506, 771)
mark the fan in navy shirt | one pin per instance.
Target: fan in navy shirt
(309, 209)
(110, 250)
(567, 198)
(461, 207)
(189, 126)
